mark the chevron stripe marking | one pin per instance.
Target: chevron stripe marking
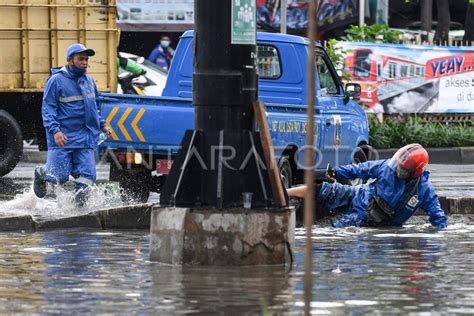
(109, 119)
(122, 127)
(135, 127)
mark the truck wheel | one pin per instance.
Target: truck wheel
(11, 144)
(359, 157)
(134, 188)
(286, 174)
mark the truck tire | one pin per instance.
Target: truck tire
(134, 188)
(286, 174)
(11, 144)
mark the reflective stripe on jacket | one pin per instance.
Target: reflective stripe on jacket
(70, 106)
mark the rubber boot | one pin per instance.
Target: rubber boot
(39, 183)
(81, 197)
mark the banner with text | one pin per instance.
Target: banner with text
(141, 15)
(168, 13)
(331, 14)
(397, 78)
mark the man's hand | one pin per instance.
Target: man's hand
(107, 131)
(60, 139)
(330, 174)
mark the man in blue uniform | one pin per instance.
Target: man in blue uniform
(73, 124)
(398, 187)
(162, 54)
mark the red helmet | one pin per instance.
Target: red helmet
(410, 161)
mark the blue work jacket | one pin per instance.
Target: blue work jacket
(160, 57)
(70, 106)
(386, 185)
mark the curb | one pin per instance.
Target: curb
(443, 155)
(34, 156)
(37, 156)
(139, 217)
(123, 217)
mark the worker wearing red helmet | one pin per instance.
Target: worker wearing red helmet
(395, 190)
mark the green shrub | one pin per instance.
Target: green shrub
(372, 33)
(394, 133)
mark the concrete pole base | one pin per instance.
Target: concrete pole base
(223, 237)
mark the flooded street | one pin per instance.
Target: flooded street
(413, 270)
(409, 270)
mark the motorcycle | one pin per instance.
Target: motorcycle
(134, 84)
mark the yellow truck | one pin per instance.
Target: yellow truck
(34, 36)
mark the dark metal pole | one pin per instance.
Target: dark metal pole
(225, 76)
(222, 157)
(426, 19)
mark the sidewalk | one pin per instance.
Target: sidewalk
(443, 155)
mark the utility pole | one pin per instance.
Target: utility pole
(221, 161)
(426, 19)
(224, 90)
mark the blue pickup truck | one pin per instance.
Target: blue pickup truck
(147, 131)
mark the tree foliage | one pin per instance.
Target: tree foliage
(336, 53)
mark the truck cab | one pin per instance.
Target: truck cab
(341, 124)
(282, 68)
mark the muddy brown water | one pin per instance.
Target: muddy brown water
(414, 270)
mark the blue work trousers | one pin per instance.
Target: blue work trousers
(336, 196)
(77, 162)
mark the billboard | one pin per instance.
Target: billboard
(397, 78)
(155, 15)
(178, 15)
(331, 14)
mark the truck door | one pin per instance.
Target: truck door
(336, 148)
(282, 88)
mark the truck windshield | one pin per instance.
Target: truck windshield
(326, 80)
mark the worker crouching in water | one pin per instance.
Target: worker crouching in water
(399, 187)
(73, 124)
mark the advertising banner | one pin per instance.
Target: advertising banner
(178, 15)
(397, 78)
(331, 14)
(155, 15)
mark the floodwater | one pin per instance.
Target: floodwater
(60, 201)
(414, 270)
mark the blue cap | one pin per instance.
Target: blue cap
(79, 48)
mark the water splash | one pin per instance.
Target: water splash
(60, 202)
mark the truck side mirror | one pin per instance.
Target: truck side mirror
(352, 90)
